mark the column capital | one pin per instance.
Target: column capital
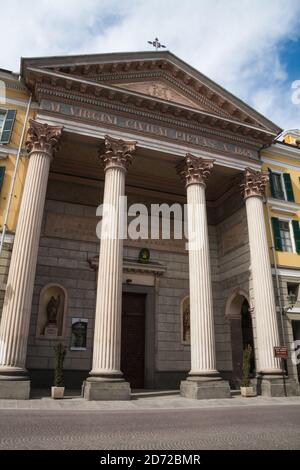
(42, 137)
(118, 153)
(254, 183)
(194, 169)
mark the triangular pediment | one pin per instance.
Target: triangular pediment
(145, 78)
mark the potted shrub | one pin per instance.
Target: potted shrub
(58, 390)
(246, 389)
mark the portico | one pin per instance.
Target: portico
(149, 127)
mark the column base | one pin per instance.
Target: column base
(205, 387)
(106, 389)
(277, 386)
(14, 388)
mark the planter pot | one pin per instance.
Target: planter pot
(57, 392)
(247, 392)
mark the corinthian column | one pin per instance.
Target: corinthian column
(204, 380)
(14, 382)
(270, 381)
(106, 381)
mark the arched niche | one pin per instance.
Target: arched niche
(185, 320)
(238, 312)
(234, 303)
(52, 312)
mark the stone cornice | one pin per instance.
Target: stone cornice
(82, 85)
(282, 150)
(42, 137)
(85, 65)
(127, 108)
(117, 153)
(254, 183)
(194, 170)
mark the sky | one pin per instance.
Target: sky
(250, 47)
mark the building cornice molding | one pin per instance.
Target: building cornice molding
(118, 93)
(281, 164)
(145, 61)
(287, 272)
(127, 109)
(284, 206)
(162, 146)
(282, 150)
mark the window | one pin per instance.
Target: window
(292, 290)
(2, 120)
(7, 119)
(281, 186)
(286, 235)
(2, 173)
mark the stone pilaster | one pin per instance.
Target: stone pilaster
(270, 378)
(106, 381)
(204, 380)
(14, 383)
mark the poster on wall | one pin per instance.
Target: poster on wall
(79, 334)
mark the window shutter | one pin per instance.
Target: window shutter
(271, 183)
(8, 126)
(276, 233)
(2, 173)
(296, 229)
(288, 187)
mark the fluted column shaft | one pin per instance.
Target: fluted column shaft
(107, 335)
(264, 299)
(108, 317)
(16, 312)
(194, 171)
(203, 357)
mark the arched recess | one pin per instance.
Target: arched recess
(238, 313)
(52, 312)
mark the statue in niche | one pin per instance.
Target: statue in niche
(52, 310)
(186, 323)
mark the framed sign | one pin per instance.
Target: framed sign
(79, 334)
(281, 352)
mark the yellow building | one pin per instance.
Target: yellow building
(282, 161)
(15, 110)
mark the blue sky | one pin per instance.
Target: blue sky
(250, 47)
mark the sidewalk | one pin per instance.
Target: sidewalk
(141, 400)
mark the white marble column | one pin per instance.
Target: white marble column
(105, 381)
(264, 299)
(15, 320)
(203, 380)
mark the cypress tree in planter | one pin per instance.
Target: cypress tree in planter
(246, 389)
(58, 390)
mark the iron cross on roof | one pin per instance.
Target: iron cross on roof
(156, 44)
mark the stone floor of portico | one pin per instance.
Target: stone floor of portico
(140, 400)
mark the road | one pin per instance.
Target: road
(264, 427)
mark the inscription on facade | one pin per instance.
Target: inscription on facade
(145, 127)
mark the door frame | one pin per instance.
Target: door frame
(149, 329)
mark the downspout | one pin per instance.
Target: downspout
(12, 186)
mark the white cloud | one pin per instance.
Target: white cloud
(235, 42)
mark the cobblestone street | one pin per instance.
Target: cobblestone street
(274, 426)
